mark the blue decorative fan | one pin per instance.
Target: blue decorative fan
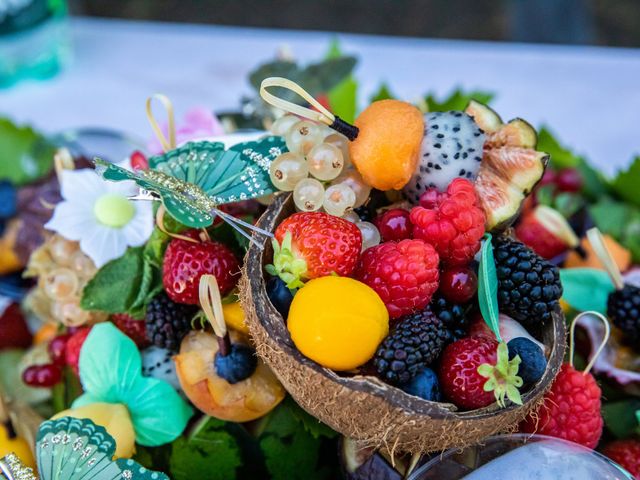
(196, 178)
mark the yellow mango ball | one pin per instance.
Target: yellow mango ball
(115, 418)
(234, 317)
(386, 149)
(337, 322)
(16, 445)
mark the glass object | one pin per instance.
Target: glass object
(521, 456)
(34, 41)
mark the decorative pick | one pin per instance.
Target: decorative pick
(602, 252)
(211, 303)
(605, 339)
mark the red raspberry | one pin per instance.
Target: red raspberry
(185, 262)
(394, 225)
(134, 329)
(74, 344)
(404, 274)
(625, 453)
(459, 378)
(571, 409)
(452, 221)
(326, 245)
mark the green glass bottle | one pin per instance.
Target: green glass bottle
(34, 39)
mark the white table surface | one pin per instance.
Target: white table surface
(590, 96)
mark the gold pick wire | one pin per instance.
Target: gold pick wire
(322, 115)
(594, 357)
(167, 143)
(603, 254)
(211, 303)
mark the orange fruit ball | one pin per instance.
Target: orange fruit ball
(621, 255)
(386, 149)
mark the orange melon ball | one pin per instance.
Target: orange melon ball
(621, 255)
(388, 143)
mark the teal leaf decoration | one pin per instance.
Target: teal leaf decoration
(111, 372)
(488, 287)
(586, 288)
(76, 449)
(195, 178)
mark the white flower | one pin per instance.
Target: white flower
(98, 214)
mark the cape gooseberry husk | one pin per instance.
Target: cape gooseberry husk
(502, 378)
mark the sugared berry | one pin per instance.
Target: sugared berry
(239, 364)
(533, 362)
(280, 296)
(57, 348)
(43, 376)
(424, 385)
(394, 225)
(458, 284)
(139, 161)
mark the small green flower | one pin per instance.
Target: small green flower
(502, 378)
(286, 265)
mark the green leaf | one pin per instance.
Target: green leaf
(586, 288)
(210, 452)
(383, 93)
(594, 183)
(294, 458)
(621, 221)
(115, 287)
(343, 97)
(561, 157)
(319, 78)
(457, 100)
(26, 155)
(627, 183)
(488, 287)
(278, 68)
(621, 417)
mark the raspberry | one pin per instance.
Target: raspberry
(185, 262)
(74, 344)
(134, 329)
(571, 409)
(452, 221)
(625, 453)
(404, 274)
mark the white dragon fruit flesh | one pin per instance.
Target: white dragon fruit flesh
(451, 148)
(158, 363)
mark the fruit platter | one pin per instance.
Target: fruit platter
(306, 289)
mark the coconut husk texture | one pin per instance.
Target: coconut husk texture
(362, 407)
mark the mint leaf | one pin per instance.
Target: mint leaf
(295, 458)
(210, 451)
(586, 288)
(626, 184)
(116, 286)
(26, 155)
(620, 417)
(383, 93)
(457, 100)
(312, 425)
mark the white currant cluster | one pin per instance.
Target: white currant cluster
(318, 171)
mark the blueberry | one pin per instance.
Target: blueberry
(8, 200)
(279, 295)
(533, 362)
(238, 365)
(424, 385)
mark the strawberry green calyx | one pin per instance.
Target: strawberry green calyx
(502, 378)
(286, 265)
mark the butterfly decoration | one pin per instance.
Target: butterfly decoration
(197, 177)
(76, 449)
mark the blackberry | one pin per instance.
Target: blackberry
(528, 286)
(453, 316)
(415, 342)
(167, 322)
(623, 308)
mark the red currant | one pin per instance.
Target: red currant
(43, 376)
(549, 178)
(394, 225)
(458, 284)
(57, 348)
(569, 180)
(139, 161)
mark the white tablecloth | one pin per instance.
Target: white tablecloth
(589, 96)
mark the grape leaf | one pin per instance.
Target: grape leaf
(26, 155)
(457, 100)
(210, 451)
(488, 287)
(626, 183)
(586, 288)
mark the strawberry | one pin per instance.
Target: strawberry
(14, 332)
(134, 329)
(74, 344)
(314, 244)
(571, 409)
(546, 232)
(476, 371)
(404, 274)
(185, 262)
(625, 453)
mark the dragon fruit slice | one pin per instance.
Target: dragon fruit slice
(451, 148)
(158, 363)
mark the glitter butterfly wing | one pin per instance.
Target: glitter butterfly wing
(78, 449)
(195, 178)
